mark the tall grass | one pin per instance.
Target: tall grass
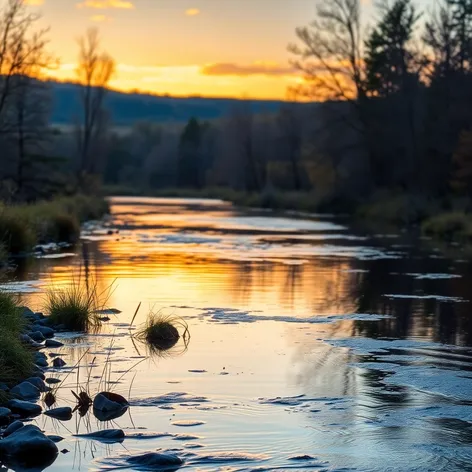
(24, 226)
(78, 305)
(16, 359)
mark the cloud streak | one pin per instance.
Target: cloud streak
(107, 4)
(221, 69)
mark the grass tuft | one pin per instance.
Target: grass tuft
(161, 331)
(76, 306)
(16, 360)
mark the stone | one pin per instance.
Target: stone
(154, 460)
(15, 426)
(63, 414)
(28, 447)
(5, 414)
(108, 402)
(38, 382)
(27, 313)
(53, 380)
(106, 435)
(24, 338)
(52, 343)
(44, 330)
(40, 359)
(24, 409)
(25, 391)
(36, 336)
(38, 372)
(58, 363)
(56, 439)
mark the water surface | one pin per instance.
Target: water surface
(312, 347)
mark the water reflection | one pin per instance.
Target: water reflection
(353, 391)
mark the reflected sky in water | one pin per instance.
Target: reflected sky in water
(307, 339)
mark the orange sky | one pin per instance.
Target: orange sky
(226, 48)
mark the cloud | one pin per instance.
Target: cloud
(34, 3)
(106, 4)
(248, 70)
(192, 12)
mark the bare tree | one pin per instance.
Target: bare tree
(330, 54)
(22, 52)
(94, 71)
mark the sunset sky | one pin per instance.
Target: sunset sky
(229, 48)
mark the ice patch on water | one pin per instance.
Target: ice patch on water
(60, 255)
(30, 286)
(427, 276)
(232, 316)
(188, 423)
(222, 457)
(168, 398)
(439, 298)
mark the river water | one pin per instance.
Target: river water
(312, 347)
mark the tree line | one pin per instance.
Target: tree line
(385, 105)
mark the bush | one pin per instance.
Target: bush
(449, 226)
(17, 234)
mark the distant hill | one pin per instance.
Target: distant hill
(127, 108)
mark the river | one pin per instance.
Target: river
(312, 346)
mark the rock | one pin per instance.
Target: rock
(60, 327)
(52, 343)
(107, 435)
(4, 416)
(44, 330)
(28, 447)
(65, 451)
(28, 314)
(56, 439)
(4, 387)
(36, 336)
(24, 409)
(15, 426)
(38, 372)
(38, 382)
(58, 362)
(107, 401)
(40, 359)
(30, 342)
(52, 380)
(154, 460)
(63, 414)
(25, 391)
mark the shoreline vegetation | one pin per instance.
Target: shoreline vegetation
(448, 221)
(25, 226)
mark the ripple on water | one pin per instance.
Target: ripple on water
(168, 398)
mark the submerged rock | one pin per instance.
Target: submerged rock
(53, 380)
(58, 362)
(28, 447)
(107, 435)
(24, 409)
(26, 391)
(13, 427)
(52, 343)
(154, 460)
(63, 414)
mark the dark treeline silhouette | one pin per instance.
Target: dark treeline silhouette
(389, 112)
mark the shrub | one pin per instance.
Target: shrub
(449, 226)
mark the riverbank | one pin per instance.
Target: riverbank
(22, 227)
